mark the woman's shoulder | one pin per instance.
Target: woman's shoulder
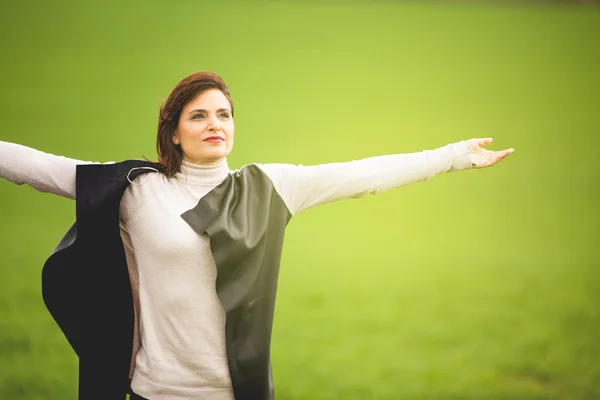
(143, 185)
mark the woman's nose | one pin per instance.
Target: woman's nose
(214, 123)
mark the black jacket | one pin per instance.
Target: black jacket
(86, 286)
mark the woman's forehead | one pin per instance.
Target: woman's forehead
(212, 99)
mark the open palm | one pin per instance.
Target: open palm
(480, 157)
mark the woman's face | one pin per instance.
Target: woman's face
(202, 122)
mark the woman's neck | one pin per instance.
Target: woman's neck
(203, 174)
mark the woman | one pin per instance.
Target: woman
(134, 283)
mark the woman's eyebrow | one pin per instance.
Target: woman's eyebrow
(203, 110)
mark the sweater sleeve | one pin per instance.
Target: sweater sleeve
(302, 187)
(42, 171)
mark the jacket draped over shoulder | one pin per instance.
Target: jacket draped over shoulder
(87, 289)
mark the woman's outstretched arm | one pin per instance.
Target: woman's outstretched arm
(302, 187)
(42, 171)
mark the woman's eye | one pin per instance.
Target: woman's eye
(225, 115)
(197, 115)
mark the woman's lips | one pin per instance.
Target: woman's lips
(213, 139)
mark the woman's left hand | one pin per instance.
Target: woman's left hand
(480, 157)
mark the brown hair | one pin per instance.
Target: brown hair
(169, 154)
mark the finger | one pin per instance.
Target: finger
(499, 155)
(484, 141)
(505, 153)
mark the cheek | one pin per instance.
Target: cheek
(191, 129)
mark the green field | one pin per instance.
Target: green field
(477, 285)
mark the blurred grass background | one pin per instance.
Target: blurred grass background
(476, 285)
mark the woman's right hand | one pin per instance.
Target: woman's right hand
(482, 158)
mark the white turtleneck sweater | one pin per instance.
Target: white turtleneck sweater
(179, 341)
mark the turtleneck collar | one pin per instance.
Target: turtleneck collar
(203, 175)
